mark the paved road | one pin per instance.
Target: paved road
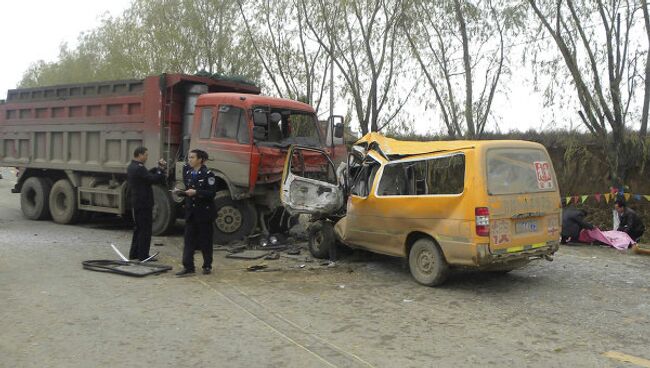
(365, 313)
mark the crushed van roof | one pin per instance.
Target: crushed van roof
(393, 148)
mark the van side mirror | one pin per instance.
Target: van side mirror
(259, 133)
(338, 130)
(260, 118)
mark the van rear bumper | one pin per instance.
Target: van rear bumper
(514, 255)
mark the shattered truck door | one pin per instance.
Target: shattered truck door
(309, 183)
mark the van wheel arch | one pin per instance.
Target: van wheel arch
(415, 236)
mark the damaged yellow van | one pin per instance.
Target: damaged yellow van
(489, 205)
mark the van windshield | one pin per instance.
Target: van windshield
(519, 170)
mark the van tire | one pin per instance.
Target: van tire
(321, 239)
(427, 264)
(34, 198)
(234, 219)
(63, 202)
(163, 211)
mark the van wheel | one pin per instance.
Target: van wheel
(427, 264)
(234, 219)
(321, 238)
(63, 202)
(34, 198)
(164, 211)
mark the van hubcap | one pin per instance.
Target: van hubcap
(229, 219)
(425, 261)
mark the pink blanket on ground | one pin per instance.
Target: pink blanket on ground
(616, 239)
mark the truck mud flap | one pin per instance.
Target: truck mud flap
(128, 268)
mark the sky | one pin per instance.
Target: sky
(33, 30)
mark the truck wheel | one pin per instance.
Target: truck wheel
(164, 211)
(321, 238)
(34, 198)
(235, 219)
(63, 202)
(427, 264)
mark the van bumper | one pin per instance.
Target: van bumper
(519, 255)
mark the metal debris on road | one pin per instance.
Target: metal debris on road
(248, 254)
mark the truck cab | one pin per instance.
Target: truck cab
(247, 137)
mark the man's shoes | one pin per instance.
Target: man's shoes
(184, 273)
(331, 264)
(207, 270)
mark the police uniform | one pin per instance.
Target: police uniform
(140, 181)
(199, 216)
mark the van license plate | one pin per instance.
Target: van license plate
(529, 226)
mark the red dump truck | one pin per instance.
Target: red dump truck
(73, 143)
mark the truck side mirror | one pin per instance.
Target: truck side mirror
(259, 133)
(338, 130)
(260, 119)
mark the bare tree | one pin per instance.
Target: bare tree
(646, 76)
(296, 66)
(459, 55)
(595, 43)
(363, 38)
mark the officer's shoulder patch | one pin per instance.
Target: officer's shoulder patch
(211, 180)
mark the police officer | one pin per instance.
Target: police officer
(140, 181)
(200, 189)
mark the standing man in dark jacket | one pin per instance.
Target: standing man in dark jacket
(140, 181)
(573, 221)
(629, 221)
(200, 189)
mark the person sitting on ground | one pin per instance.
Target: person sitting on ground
(629, 221)
(573, 221)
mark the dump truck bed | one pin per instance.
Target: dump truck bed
(95, 127)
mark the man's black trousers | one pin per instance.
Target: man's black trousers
(198, 235)
(141, 234)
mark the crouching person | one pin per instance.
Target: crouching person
(573, 222)
(629, 221)
(200, 189)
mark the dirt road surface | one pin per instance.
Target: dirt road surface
(588, 308)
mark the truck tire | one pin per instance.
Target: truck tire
(234, 219)
(63, 202)
(427, 264)
(164, 211)
(34, 198)
(321, 238)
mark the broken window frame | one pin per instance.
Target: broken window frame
(419, 159)
(369, 163)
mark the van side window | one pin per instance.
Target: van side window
(228, 122)
(444, 175)
(206, 122)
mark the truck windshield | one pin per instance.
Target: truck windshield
(295, 127)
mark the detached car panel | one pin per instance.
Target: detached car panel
(309, 182)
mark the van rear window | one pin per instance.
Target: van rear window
(519, 170)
